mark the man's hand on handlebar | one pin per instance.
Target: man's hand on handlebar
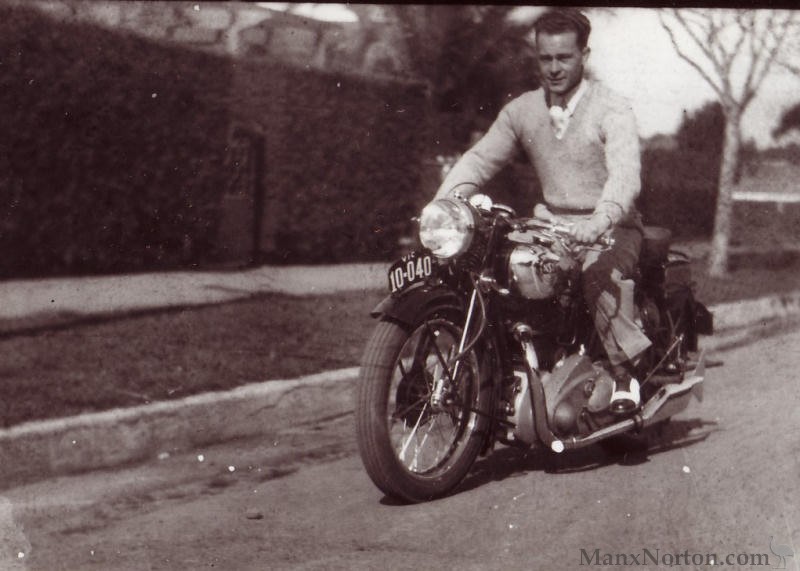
(540, 211)
(583, 232)
(588, 231)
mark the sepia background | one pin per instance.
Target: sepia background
(200, 202)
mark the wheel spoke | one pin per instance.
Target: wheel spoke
(442, 437)
(420, 447)
(402, 413)
(413, 432)
(439, 355)
(403, 373)
(406, 375)
(405, 378)
(427, 439)
(421, 352)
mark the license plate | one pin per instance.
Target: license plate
(409, 270)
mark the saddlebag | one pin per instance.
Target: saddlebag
(678, 287)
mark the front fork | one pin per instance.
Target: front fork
(442, 381)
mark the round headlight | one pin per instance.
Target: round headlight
(446, 227)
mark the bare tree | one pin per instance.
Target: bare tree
(733, 51)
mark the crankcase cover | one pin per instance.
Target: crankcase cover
(575, 385)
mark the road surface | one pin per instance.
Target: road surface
(722, 481)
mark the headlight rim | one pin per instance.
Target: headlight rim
(468, 218)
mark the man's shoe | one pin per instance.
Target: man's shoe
(625, 398)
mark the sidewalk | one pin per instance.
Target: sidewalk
(59, 299)
(81, 296)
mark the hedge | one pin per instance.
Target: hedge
(114, 156)
(343, 164)
(679, 191)
(112, 148)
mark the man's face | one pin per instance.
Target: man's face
(560, 61)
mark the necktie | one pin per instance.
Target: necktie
(559, 117)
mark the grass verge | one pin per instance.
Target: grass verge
(116, 361)
(65, 367)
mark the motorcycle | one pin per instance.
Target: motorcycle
(485, 338)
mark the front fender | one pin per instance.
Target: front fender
(413, 304)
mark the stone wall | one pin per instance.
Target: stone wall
(243, 29)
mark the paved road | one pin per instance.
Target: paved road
(722, 479)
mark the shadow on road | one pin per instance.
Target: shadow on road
(625, 450)
(730, 339)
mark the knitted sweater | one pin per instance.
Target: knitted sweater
(595, 166)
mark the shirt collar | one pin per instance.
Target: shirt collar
(574, 100)
(576, 97)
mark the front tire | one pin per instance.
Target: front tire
(412, 449)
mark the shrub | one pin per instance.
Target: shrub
(680, 184)
(115, 154)
(344, 158)
(679, 191)
(111, 151)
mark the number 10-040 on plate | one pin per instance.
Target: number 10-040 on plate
(409, 270)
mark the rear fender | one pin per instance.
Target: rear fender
(700, 318)
(409, 308)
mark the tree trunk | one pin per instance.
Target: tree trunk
(718, 260)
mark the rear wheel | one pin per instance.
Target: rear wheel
(420, 418)
(670, 356)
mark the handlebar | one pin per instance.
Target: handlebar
(550, 230)
(561, 231)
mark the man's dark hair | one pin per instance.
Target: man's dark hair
(560, 20)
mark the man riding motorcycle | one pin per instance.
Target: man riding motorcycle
(582, 139)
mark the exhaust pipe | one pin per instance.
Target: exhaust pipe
(668, 401)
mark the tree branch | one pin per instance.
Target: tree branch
(712, 38)
(759, 39)
(717, 88)
(745, 21)
(756, 76)
(793, 68)
(692, 34)
(792, 29)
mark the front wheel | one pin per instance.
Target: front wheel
(420, 421)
